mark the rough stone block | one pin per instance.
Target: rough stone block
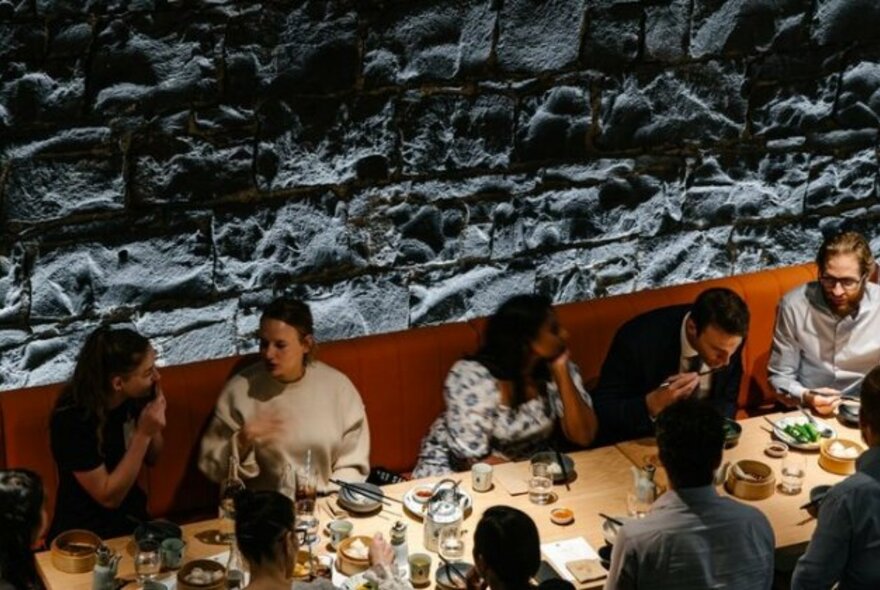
(48, 356)
(859, 103)
(741, 27)
(154, 63)
(580, 274)
(537, 36)
(667, 29)
(186, 168)
(613, 34)
(188, 334)
(673, 259)
(318, 50)
(37, 100)
(759, 247)
(443, 296)
(693, 104)
(325, 141)
(98, 278)
(431, 41)
(69, 39)
(840, 22)
(835, 182)
(40, 190)
(267, 247)
(793, 109)
(727, 190)
(12, 292)
(554, 125)
(448, 132)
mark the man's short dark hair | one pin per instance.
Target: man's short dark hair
(870, 407)
(690, 437)
(722, 308)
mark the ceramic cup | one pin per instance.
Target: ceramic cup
(172, 553)
(481, 477)
(339, 531)
(419, 569)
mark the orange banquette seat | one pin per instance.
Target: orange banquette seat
(400, 376)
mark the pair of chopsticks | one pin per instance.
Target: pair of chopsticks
(700, 374)
(611, 519)
(814, 502)
(367, 492)
(451, 567)
(561, 460)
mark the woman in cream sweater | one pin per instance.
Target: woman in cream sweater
(275, 411)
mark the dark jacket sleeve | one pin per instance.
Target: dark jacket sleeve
(725, 396)
(619, 398)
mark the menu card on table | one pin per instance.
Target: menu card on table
(574, 559)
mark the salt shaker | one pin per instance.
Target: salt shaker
(104, 573)
(401, 551)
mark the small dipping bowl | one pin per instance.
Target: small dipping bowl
(562, 516)
(776, 449)
(848, 412)
(732, 431)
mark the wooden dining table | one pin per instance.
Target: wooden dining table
(603, 477)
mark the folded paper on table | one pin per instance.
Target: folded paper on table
(559, 553)
(513, 477)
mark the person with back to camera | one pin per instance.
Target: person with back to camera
(264, 531)
(845, 548)
(507, 553)
(693, 538)
(107, 423)
(276, 411)
(506, 401)
(22, 522)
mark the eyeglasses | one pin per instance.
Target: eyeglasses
(848, 283)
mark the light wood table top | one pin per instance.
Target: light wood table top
(791, 525)
(603, 478)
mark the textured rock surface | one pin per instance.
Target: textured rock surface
(176, 165)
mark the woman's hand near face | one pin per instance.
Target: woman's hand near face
(381, 552)
(260, 430)
(152, 419)
(559, 364)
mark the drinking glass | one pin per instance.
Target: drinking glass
(147, 561)
(540, 483)
(450, 544)
(794, 469)
(229, 489)
(636, 506)
(305, 498)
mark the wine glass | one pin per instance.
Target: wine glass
(147, 561)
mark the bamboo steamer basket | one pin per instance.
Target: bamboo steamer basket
(349, 565)
(838, 465)
(205, 564)
(75, 562)
(751, 490)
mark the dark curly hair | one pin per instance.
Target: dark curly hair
(690, 437)
(508, 541)
(507, 341)
(21, 507)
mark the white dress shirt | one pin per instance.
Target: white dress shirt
(846, 545)
(694, 539)
(813, 347)
(690, 361)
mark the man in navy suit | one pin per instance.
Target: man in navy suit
(668, 354)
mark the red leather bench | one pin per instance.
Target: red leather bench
(400, 376)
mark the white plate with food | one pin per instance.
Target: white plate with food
(359, 582)
(416, 499)
(799, 433)
(353, 500)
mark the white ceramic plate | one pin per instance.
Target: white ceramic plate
(779, 431)
(417, 508)
(353, 582)
(349, 499)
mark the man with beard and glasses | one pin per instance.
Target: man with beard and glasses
(827, 334)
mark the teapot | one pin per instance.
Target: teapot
(445, 509)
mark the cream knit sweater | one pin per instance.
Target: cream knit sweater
(322, 412)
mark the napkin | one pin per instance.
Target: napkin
(513, 477)
(560, 553)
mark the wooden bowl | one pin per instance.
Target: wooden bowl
(204, 564)
(75, 551)
(835, 464)
(751, 490)
(349, 565)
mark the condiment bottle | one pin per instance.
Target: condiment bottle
(401, 551)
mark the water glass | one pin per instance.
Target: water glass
(147, 561)
(637, 507)
(794, 469)
(306, 496)
(450, 544)
(540, 483)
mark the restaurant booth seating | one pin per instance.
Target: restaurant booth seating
(400, 377)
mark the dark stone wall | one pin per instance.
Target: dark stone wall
(174, 164)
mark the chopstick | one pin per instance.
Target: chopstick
(611, 519)
(700, 374)
(451, 567)
(380, 496)
(564, 470)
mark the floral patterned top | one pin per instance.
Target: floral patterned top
(475, 423)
